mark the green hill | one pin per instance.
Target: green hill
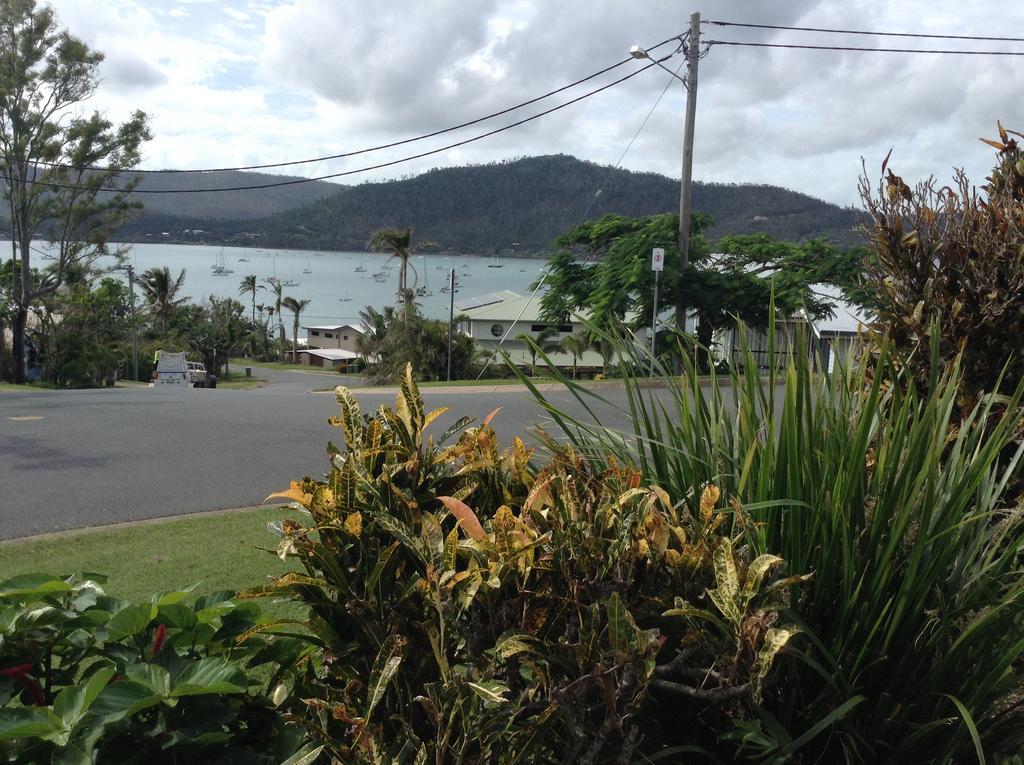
(522, 204)
(234, 205)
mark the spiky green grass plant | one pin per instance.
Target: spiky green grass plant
(894, 500)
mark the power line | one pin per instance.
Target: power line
(380, 147)
(863, 32)
(868, 50)
(586, 211)
(297, 181)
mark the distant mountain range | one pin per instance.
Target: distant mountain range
(521, 204)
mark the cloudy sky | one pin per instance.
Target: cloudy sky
(238, 82)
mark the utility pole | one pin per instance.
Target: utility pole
(451, 320)
(686, 185)
(135, 346)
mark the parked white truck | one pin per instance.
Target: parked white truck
(175, 369)
(172, 369)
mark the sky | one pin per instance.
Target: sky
(240, 82)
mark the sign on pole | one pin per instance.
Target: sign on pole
(657, 265)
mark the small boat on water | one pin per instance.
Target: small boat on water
(307, 269)
(361, 268)
(243, 260)
(346, 299)
(495, 263)
(220, 268)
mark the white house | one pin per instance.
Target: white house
(326, 357)
(336, 336)
(506, 316)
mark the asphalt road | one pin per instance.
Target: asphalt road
(72, 459)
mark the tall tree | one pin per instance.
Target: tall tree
(62, 168)
(278, 289)
(160, 291)
(296, 307)
(575, 345)
(399, 245)
(249, 286)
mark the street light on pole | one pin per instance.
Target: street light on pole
(686, 182)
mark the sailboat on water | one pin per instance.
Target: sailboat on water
(494, 263)
(424, 290)
(307, 269)
(361, 268)
(220, 268)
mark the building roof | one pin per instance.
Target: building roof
(504, 306)
(358, 327)
(846, 317)
(331, 354)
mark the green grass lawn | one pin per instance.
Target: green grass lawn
(238, 367)
(216, 551)
(5, 386)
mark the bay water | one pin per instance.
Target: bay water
(337, 291)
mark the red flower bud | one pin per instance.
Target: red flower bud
(17, 671)
(158, 639)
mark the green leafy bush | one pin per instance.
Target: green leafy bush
(468, 609)
(896, 502)
(85, 677)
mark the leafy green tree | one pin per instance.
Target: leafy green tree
(50, 149)
(214, 331)
(90, 342)
(391, 342)
(160, 291)
(603, 267)
(399, 244)
(296, 307)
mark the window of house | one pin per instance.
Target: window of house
(328, 334)
(497, 330)
(344, 337)
(315, 332)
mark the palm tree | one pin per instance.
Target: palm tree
(160, 292)
(278, 289)
(576, 345)
(399, 245)
(249, 286)
(541, 343)
(375, 324)
(296, 307)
